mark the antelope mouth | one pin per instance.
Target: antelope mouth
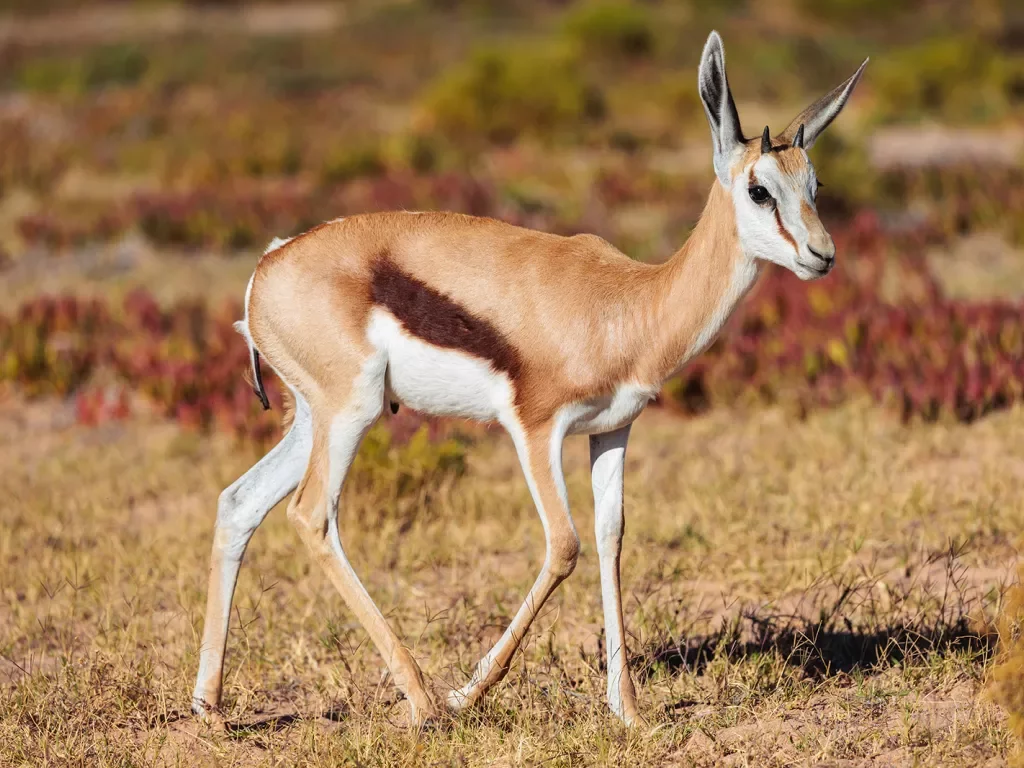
(816, 270)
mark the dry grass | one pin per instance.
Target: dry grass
(797, 592)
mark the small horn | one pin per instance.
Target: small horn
(766, 141)
(798, 140)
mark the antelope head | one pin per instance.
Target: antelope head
(771, 179)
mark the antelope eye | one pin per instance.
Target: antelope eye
(759, 194)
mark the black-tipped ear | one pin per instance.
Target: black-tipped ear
(766, 141)
(726, 134)
(798, 140)
(816, 118)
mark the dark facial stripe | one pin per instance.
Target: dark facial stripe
(752, 180)
(436, 319)
(783, 231)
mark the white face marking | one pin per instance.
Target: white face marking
(437, 381)
(758, 226)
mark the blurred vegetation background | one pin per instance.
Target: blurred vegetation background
(218, 125)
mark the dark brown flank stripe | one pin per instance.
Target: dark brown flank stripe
(436, 319)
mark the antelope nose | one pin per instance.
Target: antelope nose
(826, 256)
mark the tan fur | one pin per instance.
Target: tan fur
(563, 550)
(287, 400)
(308, 513)
(589, 316)
(791, 160)
(817, 237)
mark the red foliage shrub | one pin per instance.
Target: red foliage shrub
(814, 344)
(188, 361)
(97, 405)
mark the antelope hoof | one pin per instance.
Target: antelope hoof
(423, 715)
(461, 699)
(633, 719)
(208, 714)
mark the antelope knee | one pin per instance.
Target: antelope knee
(563, 554)
(232, 531)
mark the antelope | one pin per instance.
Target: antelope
(549, 336)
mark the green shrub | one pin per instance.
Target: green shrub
(956, 79)
(405, 469)
(422, 154)
(847, 11)
(843, 169)
(272, 153)
(612, 27)
(50, 76)
(500, 94)
(353, 161)
(284, 65)
(406, 476)
(119, 64)
(104, 66)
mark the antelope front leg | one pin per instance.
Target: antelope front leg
(540, 454)
(607, 463)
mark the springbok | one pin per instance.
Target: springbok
(461, 316)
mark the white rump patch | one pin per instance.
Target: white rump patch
(242, 326)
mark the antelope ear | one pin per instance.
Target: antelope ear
(816, 118)
(726, 135)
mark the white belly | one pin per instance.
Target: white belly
(445, 382)
(438, 381)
